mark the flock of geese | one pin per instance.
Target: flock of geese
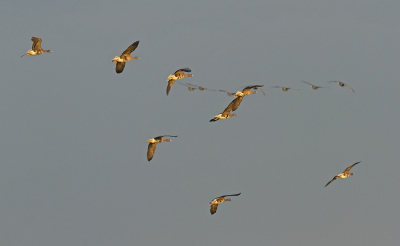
(180, 74)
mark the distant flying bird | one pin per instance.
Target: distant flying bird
(247, 90)
(36, 48)
(190, 88)
(214, 203)
(344, 174)
(236, 102)
(227, 111)
(125, 56)
(228, 93)
(201, 88)
(342, 84)
(284, 88)
(313, 86)
(153, 142)
(179, 74)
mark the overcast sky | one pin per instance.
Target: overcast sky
(74, 133)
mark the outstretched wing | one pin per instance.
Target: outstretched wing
(36, 43)
(150, 151)
(131, 48)
(226, 196)
(350, 167)
(234, 104)
(170, 84)
(160, 137)
(252, 86)
(186, 69)
(349, 87)
(120, 67)
(307, 83)
(334, 178)
(259, 89)
(231, 195)
(213, 208)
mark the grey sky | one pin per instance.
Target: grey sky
(73, 151)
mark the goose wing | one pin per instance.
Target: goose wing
(225, 196)
(120, 67)
(234, 104)
(334, 178)
(259, 89)
(213, 208)
(36, 43)
(131, 48)
(252, 87)
(350, 167)
(170, 84)
(150, 151)
(160, 137)
(307, 83)
(186, 69)
(349, 87)
(231, 195)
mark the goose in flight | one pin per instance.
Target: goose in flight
(190, 88)
(344, 174)
(201, 88)
(153, 142)
(313, 86)
(228, 93)
(247, 90)
(227, 111)
(36, 48)
(125, 56)
(284, 88)
(342, 84)
(214, 203)
(179, 74)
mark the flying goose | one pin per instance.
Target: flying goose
(179, 74)
(214, 203)
(201, 88)
(228, 93)
(284, 88)
(235, 103)
(247, 90)
(36, 48)
(313, 86)
(125, 56)
(344, 174)
(227, 111)
(153, 142)
(342, 84)
(190, 88)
